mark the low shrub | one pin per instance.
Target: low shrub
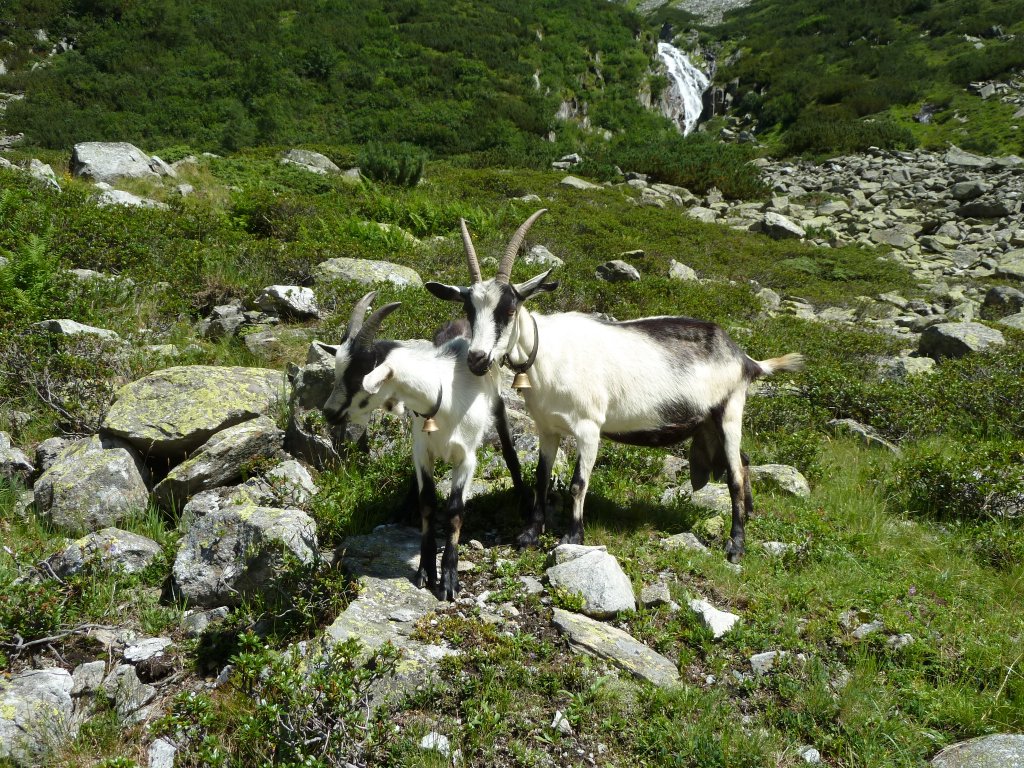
(399, 164)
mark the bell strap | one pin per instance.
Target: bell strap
(530, 358)
(437, 406)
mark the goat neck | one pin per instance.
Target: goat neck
(523, 343)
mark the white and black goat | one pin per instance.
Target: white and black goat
(452, 411)
(655, 381)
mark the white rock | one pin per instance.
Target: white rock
(436, 742)
(715, 619)
(561, 723)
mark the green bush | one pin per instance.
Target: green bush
(821, 131)
(399, 164)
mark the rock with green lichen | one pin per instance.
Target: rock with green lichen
(999, 750)
(238, 551)
(92, 484)
(112, 548)
(172, 412)
(223, 459)
(366, 271)
(36, 715)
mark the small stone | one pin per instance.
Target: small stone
(196, 622)
(161, 753)
(618, 271)
(561, 723)
(868, 629)
(1000, 750)
(88, 677)
(147, 648)
(809, 754)
(716, 620)
(684, 541)
(763, 663)
(679, 271)
(654, 595)
(532, 585)
(900, 641)
(777, 548)
(436, 742)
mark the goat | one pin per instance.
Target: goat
(452, 411)
(654, 381)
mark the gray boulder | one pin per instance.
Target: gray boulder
(172, 412)
(621, 649)
(48, 451)
(958, 157)
(985, 208)
(289, 301)
(236, 552)
(538, 255)
(1003, 300)
(687, 541)
(597, 577)
(574, 182)
(717, 621)
(958, 339)
(1000, 750)
(129, 694)
(223, 322)
(1011, 265)
(778, 227)
(93, 484)
(112, 548)
(221, 460)
(964, 191)
(309, 161)
(366, 272)
(13, 461)
(868, 436)
(618, 271)
(36, 714)
(111, 161)
(274, 341)
(65, 327)
(780, 478)
(679, 271)
(109, 197)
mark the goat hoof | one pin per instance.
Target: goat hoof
(451, 586)
(733, 552)
(527, 540)
(425, 579)
(571, 538)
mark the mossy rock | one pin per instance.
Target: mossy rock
(171, 412)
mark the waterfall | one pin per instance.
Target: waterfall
(682, 101)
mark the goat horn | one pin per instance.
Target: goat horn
(355, 322)
(372, 325)
(505, 268)
(474, 265)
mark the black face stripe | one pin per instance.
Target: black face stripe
(504, 311)
(361, 362)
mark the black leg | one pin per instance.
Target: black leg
(578, 487)
(450, 558)
(530, 537)
(426, 576)
(508, 452)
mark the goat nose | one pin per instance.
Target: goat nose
(476, 360)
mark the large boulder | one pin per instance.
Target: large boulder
(172, 412)
(221, 460)
(958, 339)
(366, 271)
(110, 161)
(289, 301)
(780, 478)
(36, 714)
(596, 576)
(93, 484)
(65, 327)
(236, 552)
(112, 548)
(1000, 750)
(1011, 265)
(309, 161)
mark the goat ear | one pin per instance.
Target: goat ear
(328, 348)
(373, 381)
(445, 292)
(534, 286)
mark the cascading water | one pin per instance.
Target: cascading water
(682, 101)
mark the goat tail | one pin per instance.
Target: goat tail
(794, 361)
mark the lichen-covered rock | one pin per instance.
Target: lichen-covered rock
(618, 647)
(110, 161)
(171, 412)
(713, 496)
(235, 552)
(13, 461)
(221, 460)
(93, 484)
(958, 339)
(618, 271)
(307, 160)
(780, 478)
(289, 301)
(598, 578)
(65, 327)
(366, 271)
(111, 547)
(128, 693)
(1000, 750)
(778, 227)
(36, 714)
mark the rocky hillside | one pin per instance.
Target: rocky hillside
(196, 572)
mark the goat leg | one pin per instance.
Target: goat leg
(426, 575)
(508, 452)
(450, 558)
(588, 438)
(530, 537)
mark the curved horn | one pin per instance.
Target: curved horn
(372, 325)
(474, 265)
(505, 268)
(355, 321)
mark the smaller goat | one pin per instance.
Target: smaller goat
(654, 381)
(452, 411)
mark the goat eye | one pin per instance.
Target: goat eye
(512, 310)
(364, 402)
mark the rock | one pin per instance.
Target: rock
(984, 209)
(969, 190)
(112, 161)
(684, 541)
(905, 367)
(388, 606)
(678, 271)
(713, 496)
(809, 754)
(540, 256)
(566, 553)
(900, 641)
(770, 300)
(289, 301)
(223, 322)
(1001, 750)
(128, 693)
(1011, 266)
(777, 548)
(531, 585)
(618, 647)
(1003, 300)
(171, 412)
(146, 649)
(221, 460)
(561, 723)
(196, 622)
(40, 171)
(867, 435)
(958, 339)
(715, 619)
(309, 161)
(779, 478)
(778, 227)
(958, 157)
(869, 628)
(67, 327)
(112, 548)
(895, 238)
(274, 341)
(597, 577)
(712, 528)
(161, 753)
(93, 484)
(36, 714)
(654, 595)
(763, 663)
(618, 271)
(108, 197)
(235, 552)
(366, 272)
(14, 464)
(1013, 321)
(88, 678)
(576, 183)
(706, 215)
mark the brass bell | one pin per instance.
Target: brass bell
(430, 425)
(521, 381)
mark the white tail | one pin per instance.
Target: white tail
(791, 362)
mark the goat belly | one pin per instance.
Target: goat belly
(669, 434)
